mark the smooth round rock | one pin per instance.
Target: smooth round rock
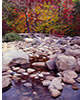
(55, 93)
(75, 87)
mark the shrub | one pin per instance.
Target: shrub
(9, 37)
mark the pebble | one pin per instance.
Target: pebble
(15, 68)
(36, 77)
(30, 70)
(46, 82)
(33, 75)
(18, 75)
(38, 64)
(41, 75)
(35, 93)
(59, 74)
(25, 74)
(45, 73)
(23, 81)
(10, 71)
(21, 70)
(27, 84)
(74, 86)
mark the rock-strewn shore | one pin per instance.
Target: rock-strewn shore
(22, 58)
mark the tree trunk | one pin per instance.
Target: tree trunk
(27, 22)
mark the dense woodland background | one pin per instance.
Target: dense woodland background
(41, 16)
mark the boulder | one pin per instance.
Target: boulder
(15, 57)
(75, 40)
(50, 64)
(69, 73)
(64, 62)
(57, 84)
(75, 53)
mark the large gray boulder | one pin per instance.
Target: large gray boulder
(64, 62)
(15, 57)
(75, 53)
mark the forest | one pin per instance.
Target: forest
(41, 16)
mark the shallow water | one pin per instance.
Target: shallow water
(19, 92)
(37, 91)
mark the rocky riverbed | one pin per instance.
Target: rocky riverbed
(41, 68)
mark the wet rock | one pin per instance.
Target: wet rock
(59, 74)
(30, 70)
(55, 93)
(46, 82)
(13, 57)
(27, 84)
(38, 64)
(64, 62)
(5, 81)
(78, 79)
(75, 86)
(69, 80)
(50, 64)
(70, 73)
